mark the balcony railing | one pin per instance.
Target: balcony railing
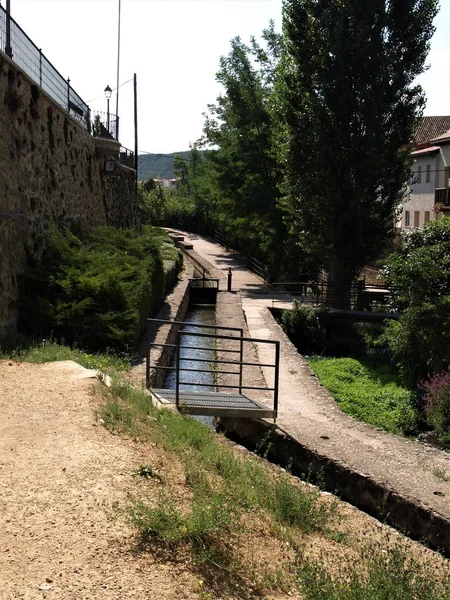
(37, 66)
(442, 196)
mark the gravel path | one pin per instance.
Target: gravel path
(61, 475)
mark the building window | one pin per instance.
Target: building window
(428, 174)
(407, 222)
(416, 218)
(426, 218)
(419, 175)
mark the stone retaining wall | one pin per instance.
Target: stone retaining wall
(50, 173)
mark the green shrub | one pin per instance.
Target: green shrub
(437, 405)
(387, 573)
(418, 272)
(96, 292)
(420, 339)
(303, 327)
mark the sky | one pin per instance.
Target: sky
(174, 47)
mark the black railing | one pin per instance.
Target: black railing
(230, 366)
(104, 125)
(359, 296)
(126, 158)
(253, 264)
(37, 66)
(442, 196)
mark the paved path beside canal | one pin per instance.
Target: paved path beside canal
(309, 414)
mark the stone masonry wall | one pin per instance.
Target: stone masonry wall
(50, 172)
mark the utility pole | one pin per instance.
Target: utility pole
(8, 48)
(118, 71)
(135, 128)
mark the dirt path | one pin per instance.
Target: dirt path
(61, 474)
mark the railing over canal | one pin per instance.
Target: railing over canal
(234, 403)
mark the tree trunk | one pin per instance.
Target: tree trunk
(339, 285)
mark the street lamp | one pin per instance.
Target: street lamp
(108, 92)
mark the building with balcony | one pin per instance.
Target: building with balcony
(428, 191)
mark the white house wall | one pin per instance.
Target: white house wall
(421, 195)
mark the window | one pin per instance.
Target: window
(419, 175)
(416, 218)
(407, 223)
(426, 218)
(428, 174)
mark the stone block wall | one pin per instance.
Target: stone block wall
(50, 172)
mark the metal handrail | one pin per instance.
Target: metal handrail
(217, 336)
(241, 363)
(149, 344)
(36, 65)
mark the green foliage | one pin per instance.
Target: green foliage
(348, 109)
(227, 488)
(42, 351)
(385, 574)
(304, 328)
(247, 483)
(419, 273)
(95, 292)
(373, 394)
(211, 516)
(243, 164)
(437, 405)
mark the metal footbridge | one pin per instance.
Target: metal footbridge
(229, 372)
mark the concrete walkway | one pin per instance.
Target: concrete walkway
(309, 414)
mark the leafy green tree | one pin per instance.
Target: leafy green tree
(239, 128)
(349, 108)
(419, 273)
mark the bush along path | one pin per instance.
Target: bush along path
(96, 291)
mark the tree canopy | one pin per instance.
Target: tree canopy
(349, 109)
(419, 273)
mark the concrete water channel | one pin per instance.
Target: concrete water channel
(204, 315)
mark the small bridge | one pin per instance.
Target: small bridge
(188, 397)
(365, 302)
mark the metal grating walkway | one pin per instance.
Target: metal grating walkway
(214, 404)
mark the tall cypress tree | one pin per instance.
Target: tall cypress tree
(349, 108)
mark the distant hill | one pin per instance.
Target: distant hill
(158, 166)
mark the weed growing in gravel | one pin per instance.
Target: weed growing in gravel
(383, 573)
(441, 474)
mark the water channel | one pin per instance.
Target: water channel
(206, 315)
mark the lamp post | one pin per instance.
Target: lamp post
(108, 92)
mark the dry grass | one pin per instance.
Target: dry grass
(248, 529)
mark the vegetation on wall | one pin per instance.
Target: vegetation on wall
(95, 292)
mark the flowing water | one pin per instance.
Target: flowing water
(206, 316)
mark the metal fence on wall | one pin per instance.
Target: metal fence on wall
(35, 64)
